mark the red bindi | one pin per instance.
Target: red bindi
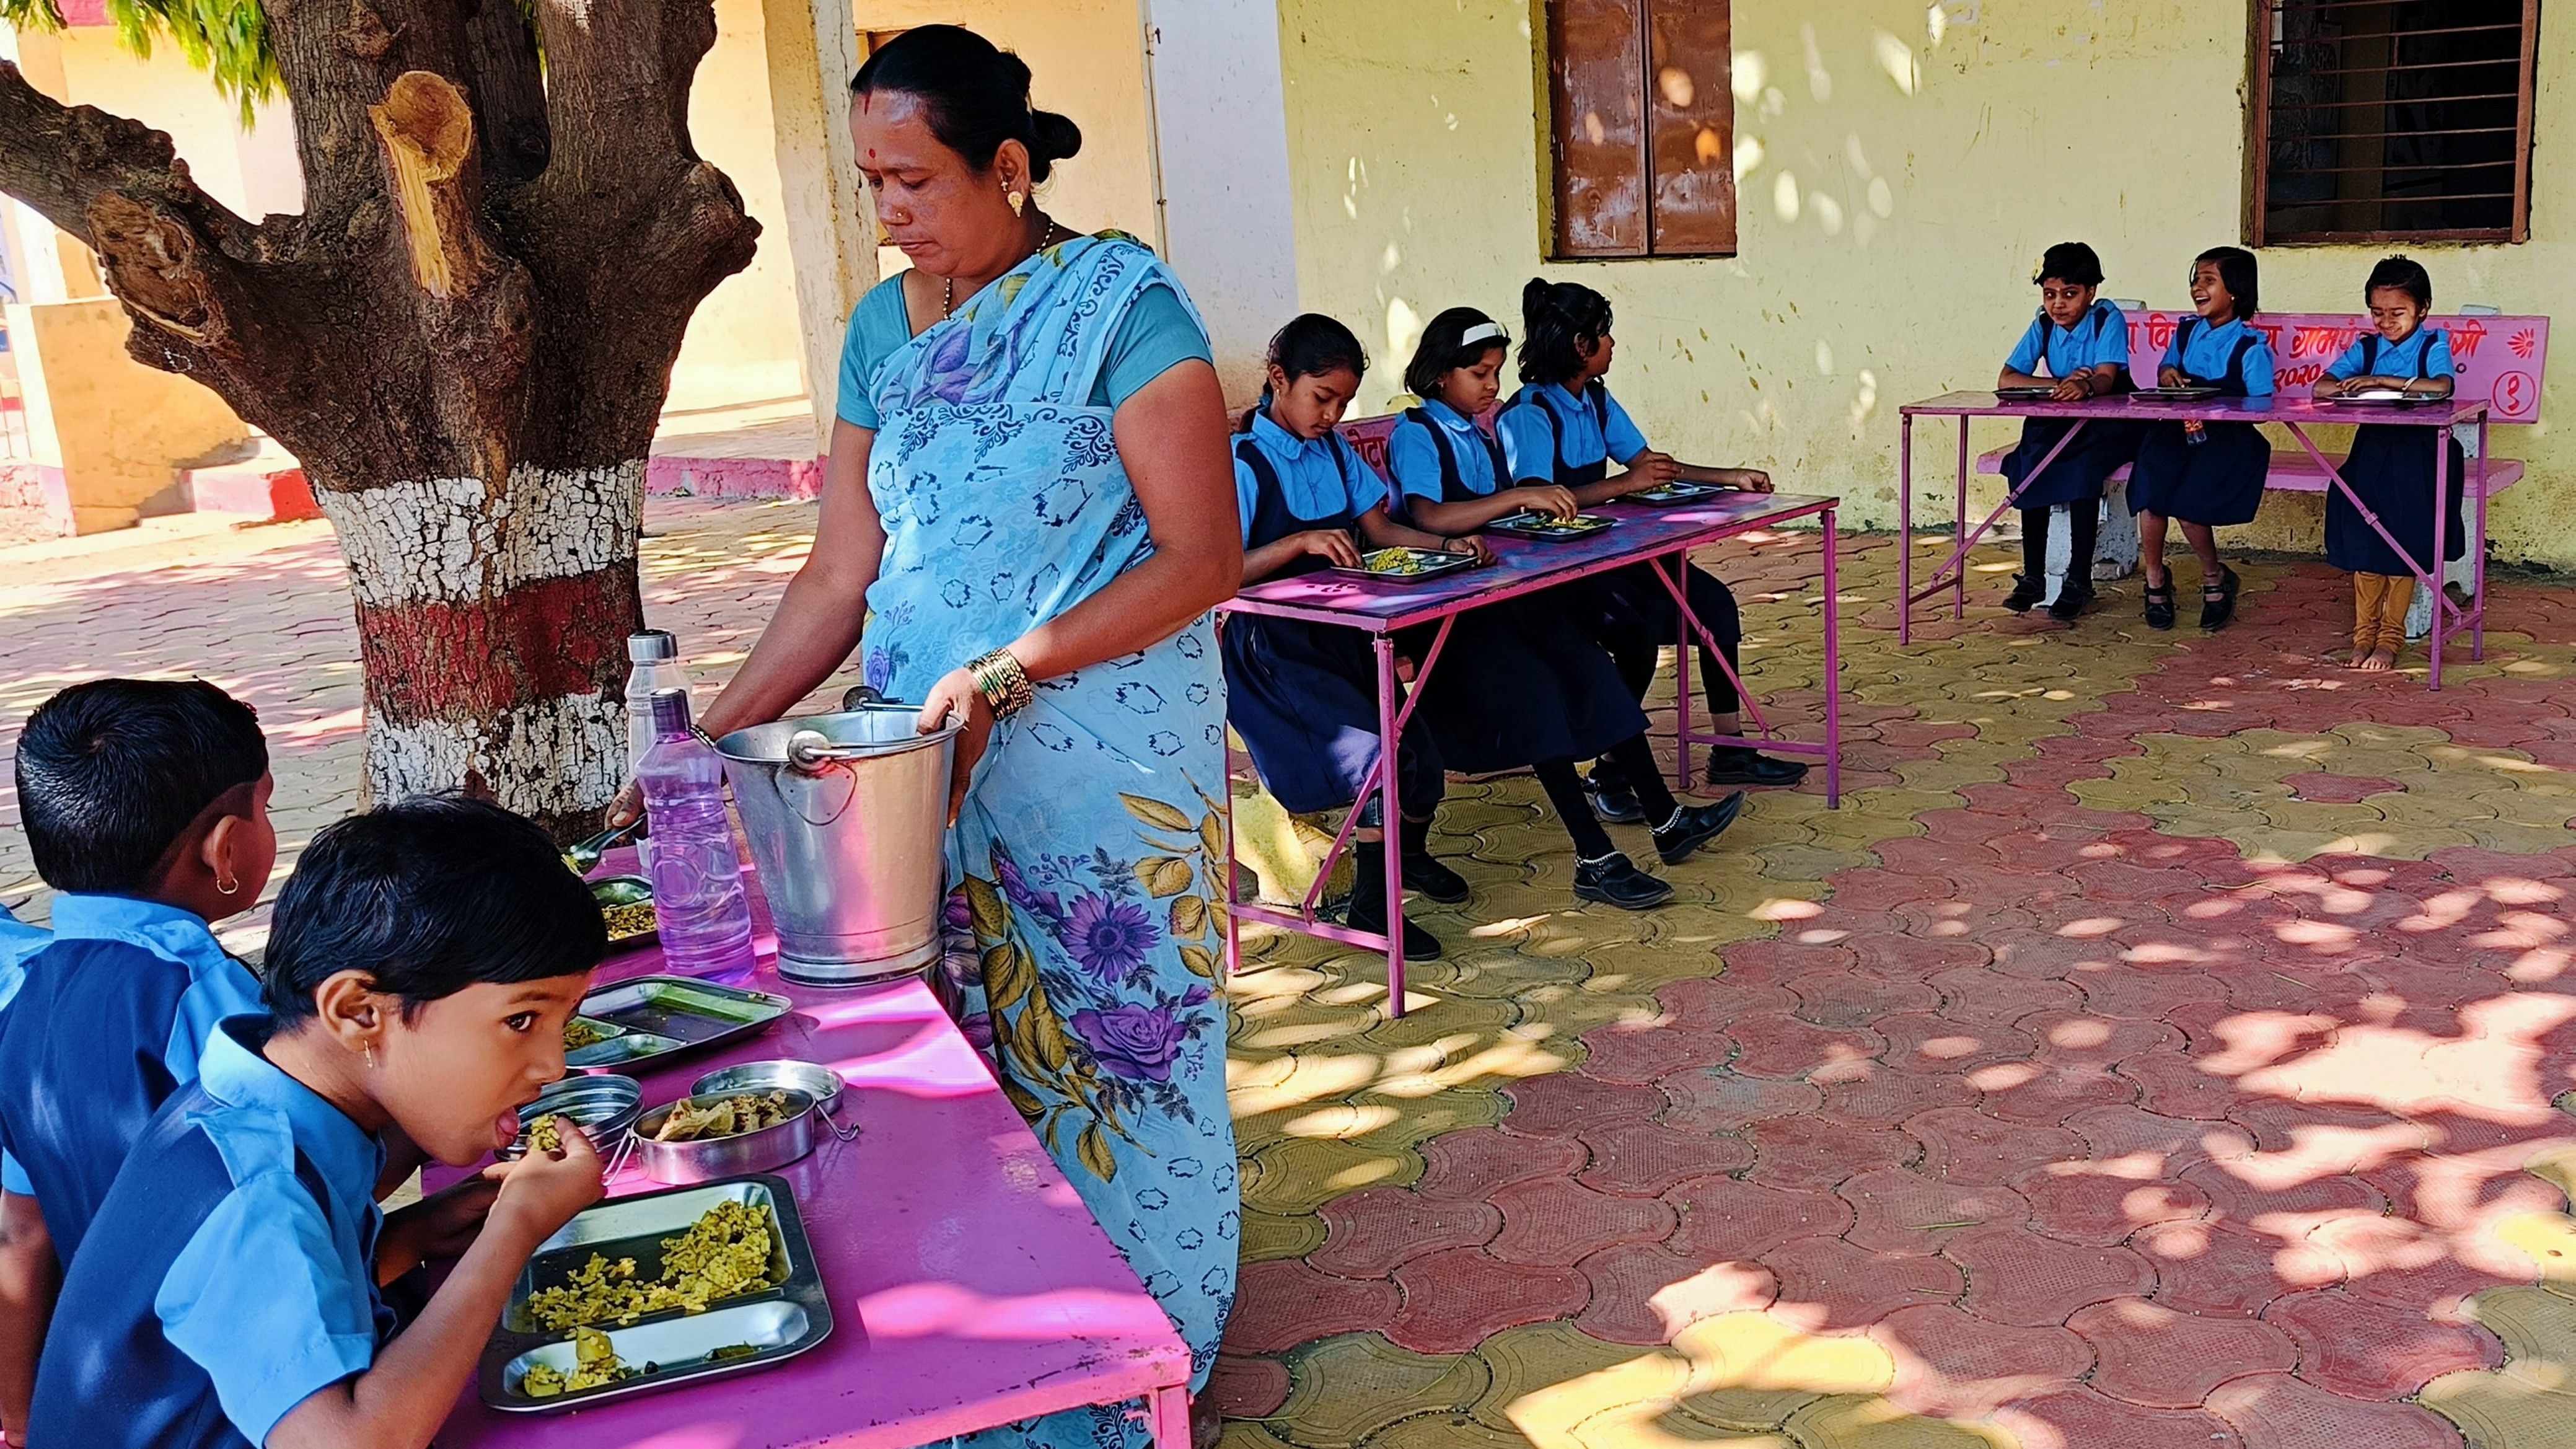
(872, 153)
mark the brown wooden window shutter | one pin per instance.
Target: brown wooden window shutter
(1642, 128)
(2391, 120)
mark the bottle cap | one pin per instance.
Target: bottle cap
(670, 712)
(651, 647)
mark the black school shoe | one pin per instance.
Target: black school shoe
(1612, 800)
(1614, 880)
(2214, 613)
(2027, 591)
(2070, 601)
(1367, 912)
(1693, 826)
(1434, 881)
(2160, 604)
(1739, 765)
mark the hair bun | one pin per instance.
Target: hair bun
(1054, 137)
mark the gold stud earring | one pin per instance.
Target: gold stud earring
(368, 1050)
(1017, 203)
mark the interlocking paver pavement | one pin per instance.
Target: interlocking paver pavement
(2160, 1047)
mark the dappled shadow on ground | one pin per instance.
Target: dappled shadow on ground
(2159, 1048)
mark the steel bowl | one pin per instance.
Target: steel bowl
(813, 1079)
(604, 1107)
(705, 1160)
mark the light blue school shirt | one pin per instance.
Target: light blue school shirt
(2425, 353)
(231, 1273)
(1530, 447)
(96, 1028)
(2101, 335)
(1413, 454)
(18, 941)
(1316, 478)
(1157, 334)
(2212, 346)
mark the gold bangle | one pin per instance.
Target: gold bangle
(1006, 686)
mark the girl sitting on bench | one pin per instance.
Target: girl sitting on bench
(2083, 343)
(2391, 468)
(1564, 428)
(2205, 475)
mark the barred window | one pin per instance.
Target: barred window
(2392, 120)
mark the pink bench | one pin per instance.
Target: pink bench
(2501, 360)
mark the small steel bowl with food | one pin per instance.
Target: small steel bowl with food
(812, 1078)
(626, 907)
(702, 1138)
(604, 1107)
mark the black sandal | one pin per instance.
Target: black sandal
(2218, 601)
(2160, 604)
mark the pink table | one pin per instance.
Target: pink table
(2298, 414)
(969, 1285)
(1522, 566)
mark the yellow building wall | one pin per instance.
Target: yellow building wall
(253, 172)
(743, 343)
(1901, 169)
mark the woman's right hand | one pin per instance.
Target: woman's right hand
(1331, 545)
(627, 806)
(1549, 499)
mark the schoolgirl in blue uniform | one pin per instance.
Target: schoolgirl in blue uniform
(2205, 476)
(1520, 683)
(2392, 467)
(1304, 696)
(2078, 346)
(1563, 427)
(423, 961)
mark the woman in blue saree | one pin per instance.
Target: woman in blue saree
(1030, 503)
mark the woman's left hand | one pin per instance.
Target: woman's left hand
(956, 694)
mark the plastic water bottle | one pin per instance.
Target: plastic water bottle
(698, 900)
(653, 658)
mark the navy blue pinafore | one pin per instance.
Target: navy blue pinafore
(2104, 447)
(1303, 695)
(2391, 467)
(2218, 481)
(1519, 682)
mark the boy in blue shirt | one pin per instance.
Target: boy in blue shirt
(145, 803)
(424, 959)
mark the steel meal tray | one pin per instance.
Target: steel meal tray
(660, 1017)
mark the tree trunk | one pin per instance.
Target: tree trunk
(466, 338)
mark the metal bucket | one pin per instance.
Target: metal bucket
(846, 815)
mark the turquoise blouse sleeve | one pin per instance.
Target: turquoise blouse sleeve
(1156, 335)
(878, 327)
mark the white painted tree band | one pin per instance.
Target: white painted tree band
(449, 540)
(554, 756)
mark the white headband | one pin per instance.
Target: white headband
(1482, 332)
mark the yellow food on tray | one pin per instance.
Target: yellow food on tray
(579, 1033)
(1391, 561)
(595, 1366)
(724, 1254)
(693, 1121)
(628, 920)
(546, 1134)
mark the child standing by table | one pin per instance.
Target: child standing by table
(2391, 467)
(2083, 343)
(1563, 427)
(1519, 683)
(2205, 475)
(424, 959)
(1303, 695)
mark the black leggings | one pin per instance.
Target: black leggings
(1636, 764)
(1639, 620)
(2084, 520)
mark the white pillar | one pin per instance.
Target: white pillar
(813, 52)
(1221, 136)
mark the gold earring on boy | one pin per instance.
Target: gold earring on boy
(1018, 202)
(368, 1050)
(226, 885)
